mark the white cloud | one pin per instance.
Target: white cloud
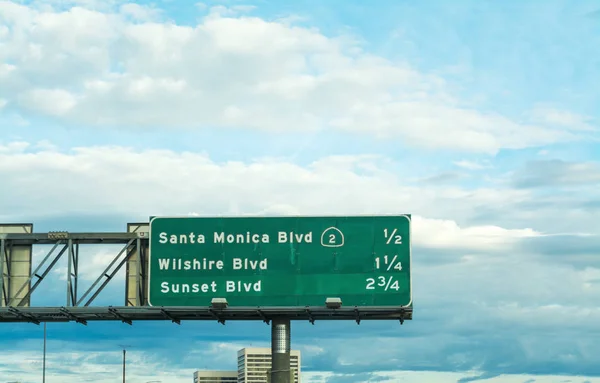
(122, 181)
(14, 147)
(53, 102)
(557, 173)
(222, 10)
(76, 366)
(470, 165)
(549, 115)
(233, 72)
(447, 234)
(139, 12)
(511, 287)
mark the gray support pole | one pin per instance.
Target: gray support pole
(124, 352)
(280, 351)
(138, 276)
(44, 362)
(69, 273)
(3, 301)
(76, 274)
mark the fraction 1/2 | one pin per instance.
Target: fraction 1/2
(397, 238)
(387, 263)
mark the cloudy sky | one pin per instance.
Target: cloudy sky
(479, 118)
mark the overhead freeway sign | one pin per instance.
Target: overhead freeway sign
(280, 261)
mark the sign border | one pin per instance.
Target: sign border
(407, 216)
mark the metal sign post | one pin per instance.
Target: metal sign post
(44, 360)
(280, 351)
(124, 353)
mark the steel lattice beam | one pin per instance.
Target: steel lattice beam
(113, 238)
(69, 244)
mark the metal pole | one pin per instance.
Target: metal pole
(2, 296)
(69, 272)
(44, 360)
(280, 351)
(124, 351)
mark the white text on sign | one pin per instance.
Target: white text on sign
(210, 287)
(237, 238)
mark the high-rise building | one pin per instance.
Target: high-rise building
(215, 377)
(254, 364)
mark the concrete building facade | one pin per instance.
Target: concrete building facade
(215, 377)
(255, 363)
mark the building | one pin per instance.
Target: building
(255, 363)
(215, 377)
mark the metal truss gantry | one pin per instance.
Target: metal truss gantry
(18, 282)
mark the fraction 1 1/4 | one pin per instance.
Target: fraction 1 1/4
(388, 264)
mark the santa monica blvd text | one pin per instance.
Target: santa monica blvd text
(239, 238)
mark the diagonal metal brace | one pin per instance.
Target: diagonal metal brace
(311, 319)
(263, 317)
(217, 317)
(106, 275)
(117, 315)
(169, 316)
(41, 277)
(27, 317)
(69, 315)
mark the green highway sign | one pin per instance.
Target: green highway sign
(280, 261)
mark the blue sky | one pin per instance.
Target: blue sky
(478, 118)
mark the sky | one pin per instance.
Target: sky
(480, 119)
